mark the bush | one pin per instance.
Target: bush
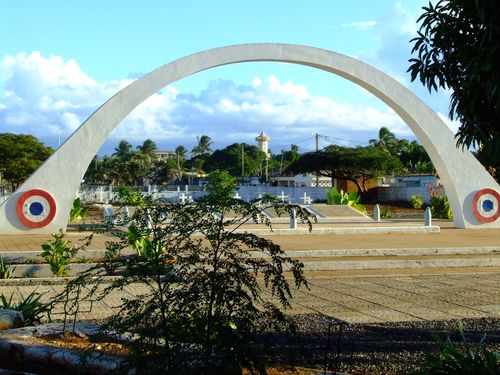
(351, 199)
(440, 207)
(58, 253)
(202, 305)
(33, 310)
(460, 359)
(78, 210)
(6, 270)
(417, 201)
(385, 213)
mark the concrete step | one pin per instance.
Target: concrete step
(397, 258)
(400, 262)
(314, 260)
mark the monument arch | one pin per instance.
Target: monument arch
(42, 203)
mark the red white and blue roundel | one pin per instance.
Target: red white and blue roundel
(486, 205)
(36, 208)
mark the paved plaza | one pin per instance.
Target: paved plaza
(361, 298)
(351, 295)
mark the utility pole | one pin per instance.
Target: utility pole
(317, 149)
(179, 175)
(243, 163)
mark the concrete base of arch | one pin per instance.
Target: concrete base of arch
(463, 177)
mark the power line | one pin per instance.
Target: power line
(293, 143)
(343, 139)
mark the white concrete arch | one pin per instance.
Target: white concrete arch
(461, 174)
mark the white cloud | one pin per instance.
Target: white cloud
(48, 96)
(51, 97)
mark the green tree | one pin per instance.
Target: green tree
(415, 159)
(20, 156)
(221, 185)
(123, 151)
(165, 170)
(457, 48)
(387, 141)
(148, 148)
(203, 146)
(237, 158)
(137, 168)
(285, 158)
(111, 171)
(181, 153)
(358, 164)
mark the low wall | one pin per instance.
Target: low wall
(290, 194)
(403, 193)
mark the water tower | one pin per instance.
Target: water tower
(263, 143)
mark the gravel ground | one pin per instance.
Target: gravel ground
(321, 342)
(394, 348)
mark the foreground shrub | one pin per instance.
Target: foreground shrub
(78, 210)
(32, 308)
(202, 304)
(465, 358)
(58, 252)
(6, 270)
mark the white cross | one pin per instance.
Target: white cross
(183, 198)
(306, 199)
(237, 196)
(283, 196)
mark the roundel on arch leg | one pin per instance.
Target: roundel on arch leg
(486, 205)
(36, 208)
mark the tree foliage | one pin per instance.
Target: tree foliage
(203, 146)
(411, 154)
(458, 48)
(202, 304)
(123, 151)
(20, 156)
(387, 141)
(221, 185)
(233, 156)
(358, 164)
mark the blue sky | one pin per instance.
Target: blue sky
(60, 60)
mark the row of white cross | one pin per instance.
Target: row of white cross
(183, 198)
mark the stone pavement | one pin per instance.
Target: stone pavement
(447, 237)
(384, 295)
(362, 298)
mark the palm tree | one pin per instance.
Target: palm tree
(123, 150)
(181, 152)
(203, 146)
(138, 168)
(148, 148)
(387, 141)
